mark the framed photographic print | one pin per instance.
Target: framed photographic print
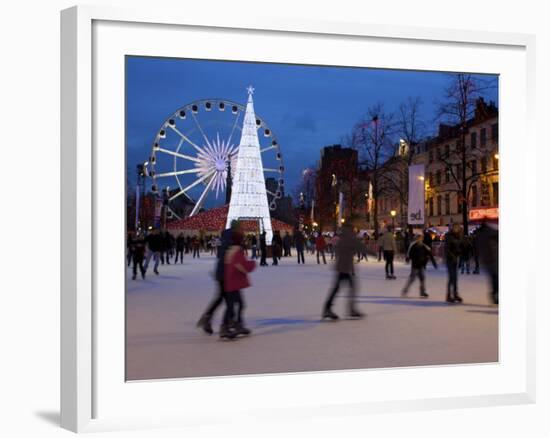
(310, 216)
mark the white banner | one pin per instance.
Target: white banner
(415, 215)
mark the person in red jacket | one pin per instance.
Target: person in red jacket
(320, 245)
(236, 270)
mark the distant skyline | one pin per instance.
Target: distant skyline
(307, 107)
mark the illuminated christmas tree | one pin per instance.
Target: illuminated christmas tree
(248, 191)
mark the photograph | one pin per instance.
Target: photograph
(285, 218)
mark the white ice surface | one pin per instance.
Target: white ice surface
(283, 311)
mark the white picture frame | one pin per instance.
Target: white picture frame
(86, 378)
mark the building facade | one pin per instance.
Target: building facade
(444, 174)
(337, 172)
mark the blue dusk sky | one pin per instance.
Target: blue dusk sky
(306, 107)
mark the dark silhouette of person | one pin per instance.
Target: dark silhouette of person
(205, 321)
(346, 248)
(452, 254)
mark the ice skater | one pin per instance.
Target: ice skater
(452, 254)
(263, 249)
(488, 252)
(466, 250)
(299, 242)
(180, 246)
(138, 256)
(236, 269)
(387, 243)
(320, 245)
(346, 248)
(205, 321)
(154, 243)
(418, 254)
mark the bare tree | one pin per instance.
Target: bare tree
(411, 129)
(372, 136)
(456, 110)
(304, 192)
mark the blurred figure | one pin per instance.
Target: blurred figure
(129, 248)
(187, 244)
(418, 254)
(216, 242)
(263, 249)
(428, 239)
(347, 247)
(287, 243)
(299, 243)
(254, 245)
(311, 244)
(366, 239)
(466, 250)
(276, 247)
(452, 254)
(320, 245)
(333, 243)
(138, 255)
(180, 247)
(195, 245)
(167, 247)
(488, 254)
(387, 243)
(205, 321)
(213, 245)
(380, 247)
(154, 248)
(475, 246)
(236, 271)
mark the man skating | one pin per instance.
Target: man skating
(452, 254)
(488, 245)
(263, 249)
(346, 248)
(154, 248)
(299, 242)
(418, 253)
(205, 321)
(387, 243)
(138, 256)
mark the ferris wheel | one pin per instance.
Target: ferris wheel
(195, 150)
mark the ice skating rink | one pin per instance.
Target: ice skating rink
(283, 311)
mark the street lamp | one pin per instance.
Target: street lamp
(393, 213)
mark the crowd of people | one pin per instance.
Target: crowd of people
(347, 247)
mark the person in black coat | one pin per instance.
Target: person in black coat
(428, 238)
(488, 254)
(466, 250)
(452, 254)
(287, 243)
(205, 321)
(154, 243)
(276, 247)
(254, 246)
(180, 247)
(299, 242)
(263, 249)
(138, 256)
(129, 248)
(418, 254)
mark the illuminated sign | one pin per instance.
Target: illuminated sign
(478, 214)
